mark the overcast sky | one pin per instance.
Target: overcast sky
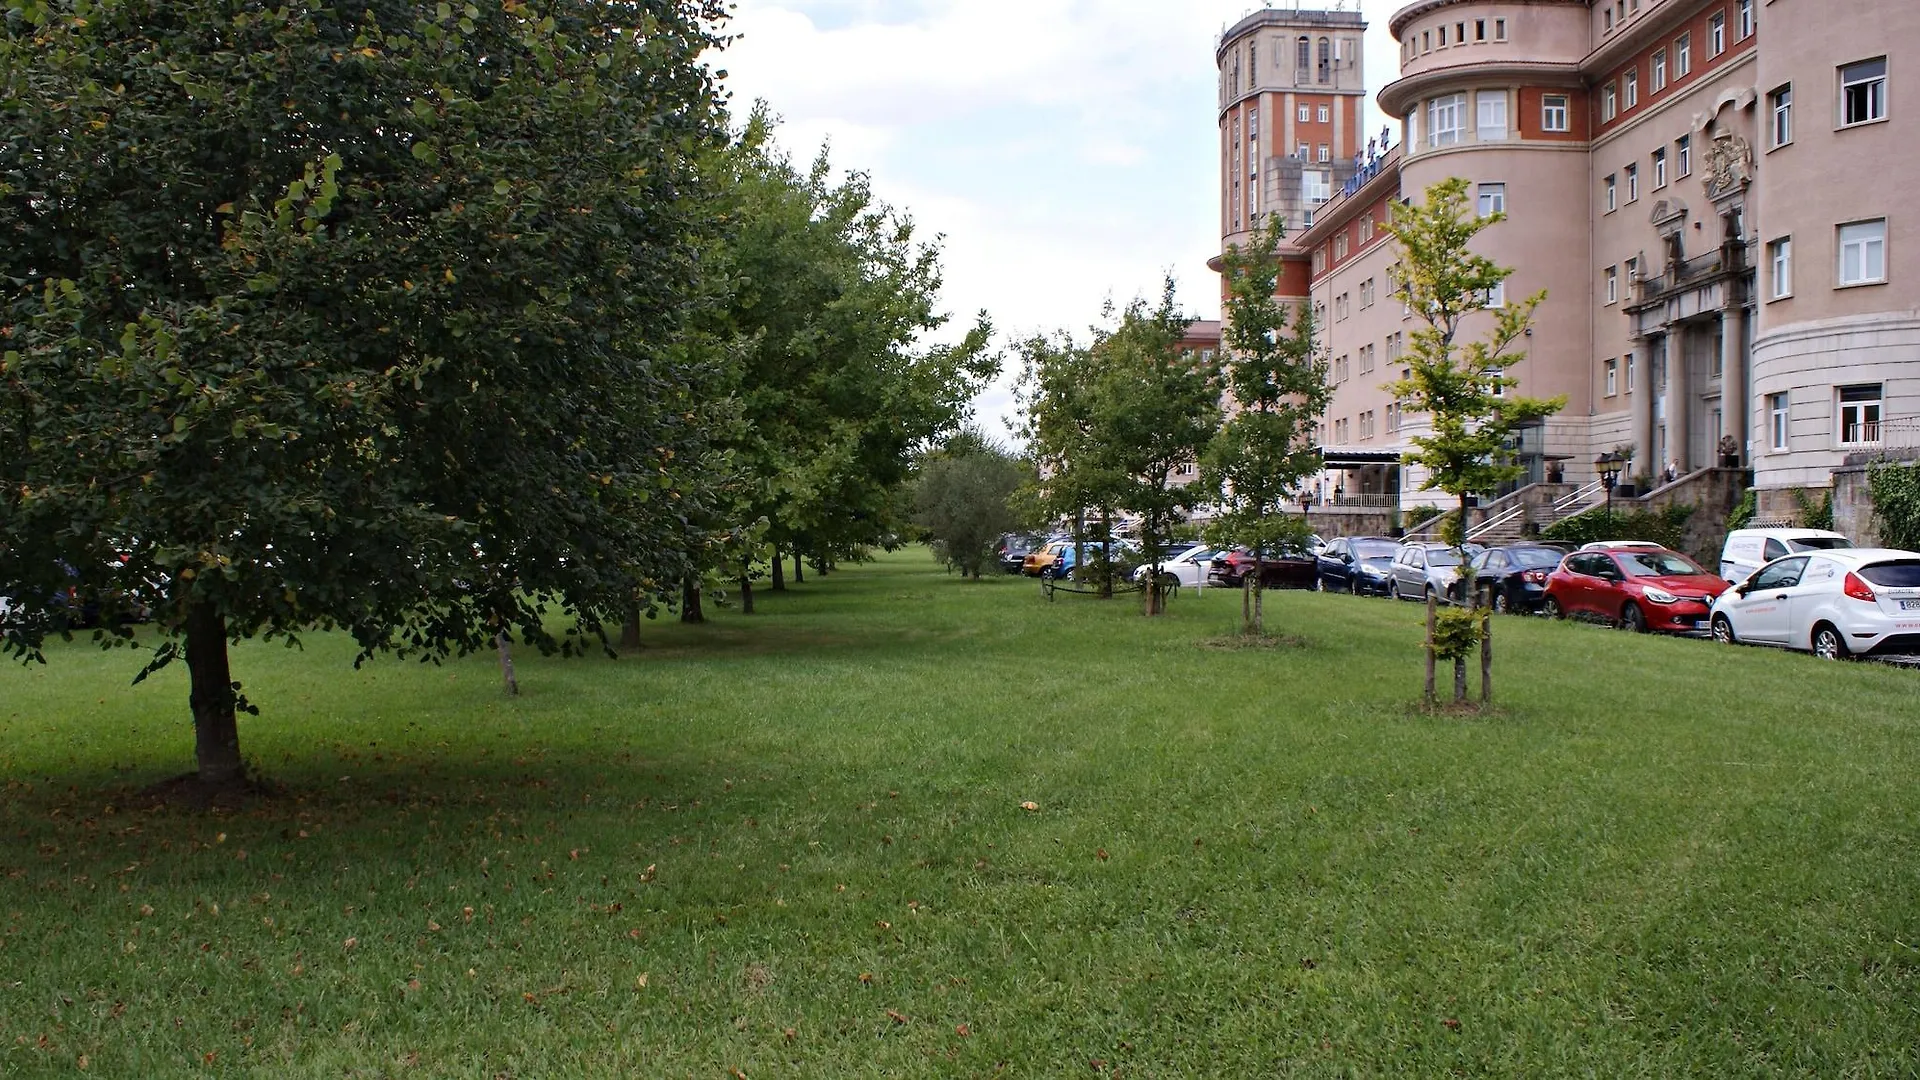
(1066, 150)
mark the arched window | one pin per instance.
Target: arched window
(1303, 55)
(1326, 60)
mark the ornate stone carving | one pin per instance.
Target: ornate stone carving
(1729, 165)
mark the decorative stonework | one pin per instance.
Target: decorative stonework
(1729, 165)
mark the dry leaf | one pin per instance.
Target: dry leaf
(647, 874)
(896, 1017)
(1101, 855)
(1030, 806)
(963, 1030)
(1452, 1024)
(866, 978)
(883, 924)
(640, 981)
(433, 927)
(350, 943)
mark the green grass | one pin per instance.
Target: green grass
(1659, 858)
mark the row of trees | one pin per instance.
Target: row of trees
(427, 323)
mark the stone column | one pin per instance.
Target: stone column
(1736, 403)
(1641, 359)
(1679, 403)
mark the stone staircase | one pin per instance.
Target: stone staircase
(1507, 519)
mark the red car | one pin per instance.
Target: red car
(1637, 589)
(1280, 569)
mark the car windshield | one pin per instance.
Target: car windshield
(1442, 557)
(1658, 564)
(1819, 543)
(1904, 574)
(1375, 549)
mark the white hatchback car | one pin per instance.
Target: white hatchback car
(1834, 604)
(1190, 566)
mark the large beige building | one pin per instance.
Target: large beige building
(1705, 190)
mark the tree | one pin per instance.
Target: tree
(1155, 407)
(353, 316)
(1462, 386)
(1277, 381)
(1073, 474)
(964, 499)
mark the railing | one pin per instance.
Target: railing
(1370, 502)
(1700, 266)
(1899, 434)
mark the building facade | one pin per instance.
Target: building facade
(1701, 189)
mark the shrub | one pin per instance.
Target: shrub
(1668, 527)
(1415, 516)
(1743, 512)
(1896, 502)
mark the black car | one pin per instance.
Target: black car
(1355, 564)
(1013, 548)
(1513, 578)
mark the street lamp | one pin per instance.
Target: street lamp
(1609, 465)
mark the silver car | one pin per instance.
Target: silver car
(1833, 604)
(1420, 569)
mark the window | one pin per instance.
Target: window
(1780, 258)
(1443, 36)
(1606, 19)
(1659, 169)
(1630, 363)
(1682, 56)
(1479, 29)
(1326, 60)
(1863, 252)
(1496, 382)
(1303, 152)
(1779, 418)
(1745, 18)
(1306, 113)
(1613, 378)
(1659, 71)
(1863, 92)
(1633, 88)
(1633, 182)
(1496, 297)
(1609, 103)
(1613, 285)
(1780, 108)
(1860, 415)
(1323, 114)
(1612, 195)
(1426, 41)
(1716, 34)
(1683, 156)
(1446, 119)
(1500, 29)
(1553, 112)
(1326, 153)
(1492, 124)
(1316, 185)
(1302, 56)
(1493, 199)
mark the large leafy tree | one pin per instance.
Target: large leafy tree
(1074, 475)
(964, 498)
(1464, 386)
(832, 295)
(352, 315)
(1276, 381)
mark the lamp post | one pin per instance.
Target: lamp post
(1609, 465)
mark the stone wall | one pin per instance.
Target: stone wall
(1853, 495)
(1713, 493)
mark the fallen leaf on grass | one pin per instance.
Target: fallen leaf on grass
(82, 1063)
(647, 874)
(962, 1030)
(433, 927)
(1452, 1024)
(1030, 806)
(883, 924)
(349, 943)
(866, 978)
(896, 1017)
(1101, 855)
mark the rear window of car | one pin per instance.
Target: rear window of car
(1375, 549)
(1904, 574)
(1535, 557)
(1658, 564)
(1442, 557)
(1820, 543)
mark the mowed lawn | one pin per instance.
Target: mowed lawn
(794, 845)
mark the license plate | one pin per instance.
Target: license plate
(1910, 605)
(1700, 624)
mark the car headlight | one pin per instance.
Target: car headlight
(1662, 596)
(1372, 571)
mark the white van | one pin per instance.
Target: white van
(1748, 550)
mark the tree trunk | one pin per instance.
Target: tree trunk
(1459, 680)
(1246, 605)
(1259, 605)
(690, 609)
(505, 644)
(1486, 658)
(779, 571)
(746, 594)
(216, 733)
(799, 569)
(1106, 555)
(630, 628)
(1431, 616)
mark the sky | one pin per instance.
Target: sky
(1066, 151)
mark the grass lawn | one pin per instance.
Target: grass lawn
(794, 845)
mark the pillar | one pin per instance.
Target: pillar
(1679, 404)
(1736, 403)
(1641, 360)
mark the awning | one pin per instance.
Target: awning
(1345, 457)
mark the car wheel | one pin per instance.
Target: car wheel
(1551, 608)
(1353, 586)
(1319, 583)
(1828, 644)
(1632, 619)
(1502, 605)
(1723, 630)
(1393, 588)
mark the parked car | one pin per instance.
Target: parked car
(1044, 559)
(1512, 578)
(1637, 589)
(1013, 549)
(1189, 567)
(1059, 558)
(1747, 550)
(1356, 564)
(1833, 603)
(1284, 569)
(1422, 568)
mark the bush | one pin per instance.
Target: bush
(1743, 513)
(1896, 502)
(1668, 527)
(1815, 515)
(1415, 516)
